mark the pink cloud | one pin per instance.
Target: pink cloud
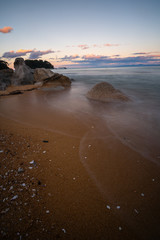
(6, 29)
(110, 45)
(83, 46)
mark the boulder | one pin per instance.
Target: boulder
(48, 77)
(60, 80)
(106, 92)
(5, 78)
(23, 74)
(41, 74)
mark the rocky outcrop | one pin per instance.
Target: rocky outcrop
(48, 77)
(13, 82)
(5, 78)
(23, 74)
(106, 92)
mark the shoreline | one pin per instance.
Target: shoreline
(79, 181)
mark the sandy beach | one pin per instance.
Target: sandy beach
(66, 176)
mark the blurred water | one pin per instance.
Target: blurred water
(136, 123)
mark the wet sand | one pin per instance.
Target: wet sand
(64, 175)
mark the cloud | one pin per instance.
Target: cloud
(19, 53)
(69, 58)
(92, 60)
(110, 45)
(6, 29)
(34, 54)
(83, 46)
(140, 53)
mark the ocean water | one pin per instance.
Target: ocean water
(136, 123)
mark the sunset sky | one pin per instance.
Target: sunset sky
(84, 33)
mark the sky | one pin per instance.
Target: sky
(81, 34)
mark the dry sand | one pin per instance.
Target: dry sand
(63, 179)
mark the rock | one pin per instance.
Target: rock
(60, 80)
(106, 92)
(23, 74)
(47, 76)
(41, 74)
(5, 78)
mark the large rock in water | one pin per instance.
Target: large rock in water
(5, 78)
(48, 77)
(23, 74)
(106, 92)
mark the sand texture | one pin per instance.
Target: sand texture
(66, 176)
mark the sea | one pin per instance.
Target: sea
(137, 122)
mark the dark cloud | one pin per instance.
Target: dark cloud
(38, 54)
(140, 53)
(13, 54)
(69, 58)
(20, 53)
(104, 61)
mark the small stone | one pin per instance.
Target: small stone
(15, 197)
(63, 230)
(120, 228)
(136, 211)
(47, 211)
(20, 170)
(108, 207)
(44, 151)
(118, 207)
(1, 151)
(5, 211)
(33, 163)
(142, 194)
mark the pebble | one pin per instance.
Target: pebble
(5, 211)
(47, 211)
(1, 151)
(120, 228)
(142, 194)
(63, 230)
(33, 163)
(15, 197)
(20, 170)
(108, 207)
(136, 211)
(44, 151)
(118, 207)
